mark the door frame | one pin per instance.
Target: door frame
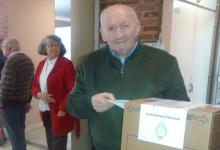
(214, 71)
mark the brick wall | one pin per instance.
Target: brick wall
(3, 18)
(149, 12)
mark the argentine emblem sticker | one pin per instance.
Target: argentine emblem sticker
(161, 130)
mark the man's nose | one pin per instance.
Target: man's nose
(119, 33)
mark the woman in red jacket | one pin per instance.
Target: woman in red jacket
(53, 81)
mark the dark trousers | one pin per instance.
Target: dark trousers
(53, 142)
(14, 117)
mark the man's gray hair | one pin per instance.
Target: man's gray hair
(13, 44)
(1, 40)
(131, 10)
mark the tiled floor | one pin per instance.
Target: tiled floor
(36, 140)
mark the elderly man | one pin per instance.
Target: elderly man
(125, 69)
(17, 74)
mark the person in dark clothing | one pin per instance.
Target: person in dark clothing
(2, 63)
(125, 69)
(2, 57)
(16, 77)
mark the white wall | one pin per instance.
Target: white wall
(29, 21)
(65, 34)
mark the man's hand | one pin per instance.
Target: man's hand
(100, 103)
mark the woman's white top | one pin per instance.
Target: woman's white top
(48, 66)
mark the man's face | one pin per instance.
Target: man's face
(120, 29)
(5, 49)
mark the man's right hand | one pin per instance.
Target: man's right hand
(100, 103)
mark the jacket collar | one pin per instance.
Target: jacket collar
(133, 51)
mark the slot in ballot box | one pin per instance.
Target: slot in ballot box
(201, 130)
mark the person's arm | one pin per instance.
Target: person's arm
(176, 89)
(8, 80)
(84, 104)
(35, 87)
(69, 79)
(79, 102)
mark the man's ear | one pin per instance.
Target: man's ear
(138, 28)
(8, 50)
(102, 34)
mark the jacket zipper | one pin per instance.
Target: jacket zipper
(122, 69)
